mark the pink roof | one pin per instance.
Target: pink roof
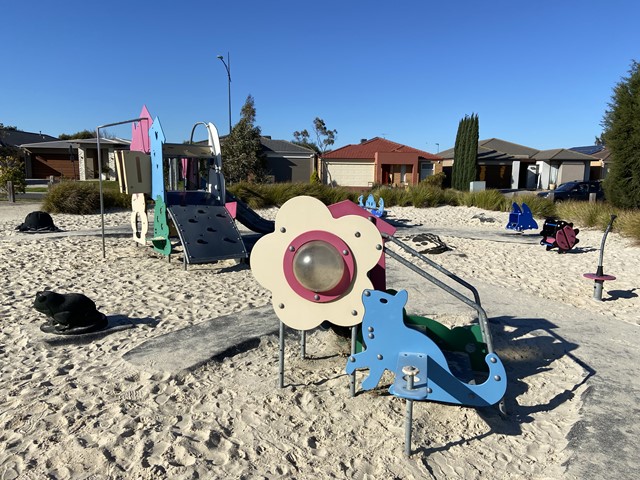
(368, 149)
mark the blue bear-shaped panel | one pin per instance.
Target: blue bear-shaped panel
(391, 345)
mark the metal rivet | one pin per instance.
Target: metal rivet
(357, 234)
(352, 359)
(378, 247)
(371, 219)
(497, 378)
(370, 329)
(316, 297)
(493, 360)
(371, 335)
(281, 305)
(379, 357)
(345, 252)
(367, 293)
(282, 229)
(354, 312)
(292, 248)
(429, 390)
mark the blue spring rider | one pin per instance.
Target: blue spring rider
(370, 206)
(392, 345)
(521, 219)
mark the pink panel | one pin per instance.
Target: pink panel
(232, 208)
(339, 245)
(595, 276)
(140, 132)
(377, 275)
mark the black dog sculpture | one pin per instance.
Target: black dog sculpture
(69, 313)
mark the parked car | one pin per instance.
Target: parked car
(575, 191)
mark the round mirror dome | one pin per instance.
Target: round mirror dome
(318, 266)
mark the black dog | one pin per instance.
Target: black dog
(68, 313)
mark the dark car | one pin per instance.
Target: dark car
(575, 191)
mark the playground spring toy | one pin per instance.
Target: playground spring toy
(69, 313)
(521, 219)
(599, 277)
(370, 206)
(328, 264)
(188, 188)
(559, 234)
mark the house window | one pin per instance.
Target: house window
(426, 170)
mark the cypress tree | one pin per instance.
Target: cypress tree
(465, 153)
(622, 137)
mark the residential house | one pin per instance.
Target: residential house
(601, 163)
(73, 159)
(507, 165)
(377, 161)
(286, 161)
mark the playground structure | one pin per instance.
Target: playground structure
(328, 264)
(521, 218)
(371, 207)
(559, 234)
(187, 186)
(599, 277)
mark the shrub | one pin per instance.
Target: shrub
(315, 178)
(12, 170)
(435, 180)
(486, 199)
(82, 198)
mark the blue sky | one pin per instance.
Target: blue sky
(539, 73)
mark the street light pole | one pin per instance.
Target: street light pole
(227, 66)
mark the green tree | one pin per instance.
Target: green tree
(621, 134)
(465, 153)
(82, 135)
(12, 170)
(241, 149)
(324, 137)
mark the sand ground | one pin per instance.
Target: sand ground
(78, 410)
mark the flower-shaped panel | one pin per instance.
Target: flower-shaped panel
(316, 265)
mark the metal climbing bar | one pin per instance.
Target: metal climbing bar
(475, 303)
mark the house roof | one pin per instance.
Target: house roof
(562, 154)
(13, 138)
(367, 150)
(589, 149)
(496, 149)
(283, 147)
(64, 144)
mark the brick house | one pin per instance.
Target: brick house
(377, 161)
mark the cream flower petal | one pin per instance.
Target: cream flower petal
(296, 217)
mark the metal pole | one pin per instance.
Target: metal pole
(227, 66)
(104, 253)
(352, 379)
(409, 372)
(303, 344)
(281, 372)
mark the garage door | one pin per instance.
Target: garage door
(349, 174)
(46, 165)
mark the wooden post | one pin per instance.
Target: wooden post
(11, 194)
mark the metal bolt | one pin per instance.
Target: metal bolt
(370, 329)
(357, 234)
(367, 293)
(378, 247)
(316, 297)
(354, 312)
(282, 229)
(352, 359)
(345, 252)
(292, 248)
(429, 390)
(281, 305)
(409, 372)
(493, 360)
(379, 357)
(371, 335)
(497, 378)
